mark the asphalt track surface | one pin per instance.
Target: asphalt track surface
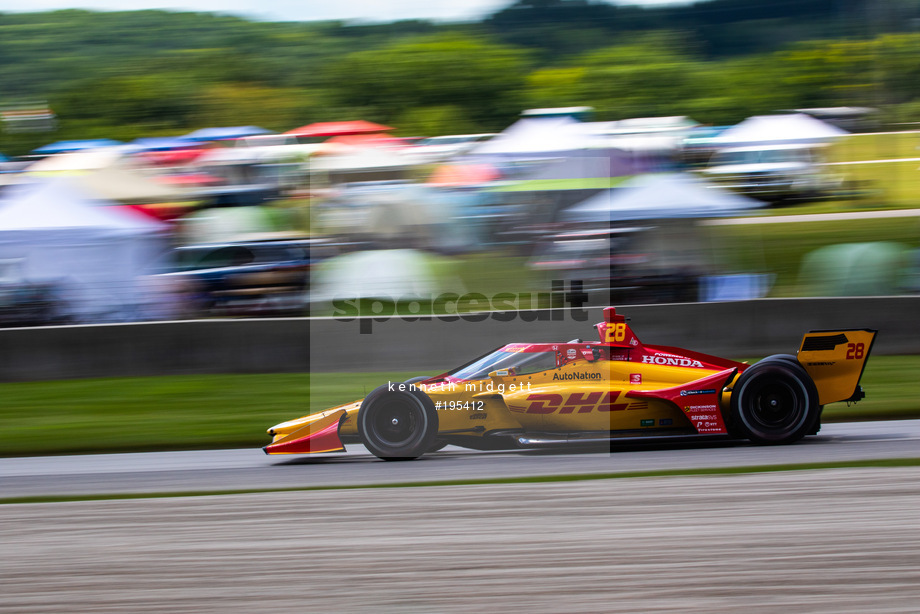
(225, 470)
(842, 541)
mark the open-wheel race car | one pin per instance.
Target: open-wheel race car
(528, 395)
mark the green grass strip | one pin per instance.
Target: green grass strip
(195, 412)
(579, 477)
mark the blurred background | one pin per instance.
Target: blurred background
(214, 173)
(166, 165)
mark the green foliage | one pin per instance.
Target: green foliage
(478, 78)
(648, 77)
(127, 74)
(162, 99)
(273, 108)
(437, 119)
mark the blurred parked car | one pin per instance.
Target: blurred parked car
(265, 278)
(621, 265)
(25, 303)
(771, 172)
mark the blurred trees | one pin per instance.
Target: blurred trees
(648, 77)
(442, 79)
(141, 73)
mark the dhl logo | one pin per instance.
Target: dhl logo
(578, 403)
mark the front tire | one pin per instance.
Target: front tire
(773, 402)
(397, 424)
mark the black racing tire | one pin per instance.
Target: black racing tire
(438, 443)
(774, 402)
(789, 358)
(397, 424)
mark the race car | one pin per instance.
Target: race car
(529, 395)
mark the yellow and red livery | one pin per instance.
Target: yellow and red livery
(615, 389)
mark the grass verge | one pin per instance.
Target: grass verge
(225, 411)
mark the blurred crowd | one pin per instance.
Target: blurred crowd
(237, 221)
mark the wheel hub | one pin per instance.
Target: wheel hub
(396, 423)
(776, 405)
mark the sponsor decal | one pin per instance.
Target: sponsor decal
(635, 378)
(690, 393)
(704, 417)
(649, 422)
(672, 361)
(584, 403)
(577, 403)
(689, 408)
(543, 403)
(571, 353)
(634, 341)
(665, 422)
(576, 376)
(479, 415)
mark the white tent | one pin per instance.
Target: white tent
(776, 129)
(540, 136)
(660, 196)
(94, 256)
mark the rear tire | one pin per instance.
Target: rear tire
(397, 424)
(788, 358)
(774, 401)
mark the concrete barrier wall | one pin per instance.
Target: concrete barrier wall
(157, 348)
(737, 329)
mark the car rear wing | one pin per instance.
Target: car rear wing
(835, 360)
